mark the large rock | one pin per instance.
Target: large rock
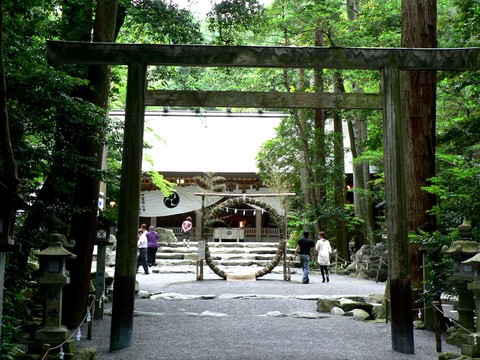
(166, 235)
(109, 256)
(360, 315)
(349, 305)
(370, 263)
(327, 304)
(337, 311)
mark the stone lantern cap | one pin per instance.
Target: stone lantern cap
(474, 260)
(462, 247)
(56, 249)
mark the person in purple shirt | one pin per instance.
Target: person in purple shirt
(304, 249)
(152, 247)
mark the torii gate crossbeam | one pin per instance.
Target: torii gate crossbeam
(388, 61)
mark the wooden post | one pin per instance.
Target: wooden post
(100, 279)
(129, 205)
(396, 212)
(92, 301)
(438, 324)
(378, 270)
(202, 245)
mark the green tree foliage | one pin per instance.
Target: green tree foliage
(50, 121)
(230, 20)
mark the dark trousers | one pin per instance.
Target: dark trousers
(142, 259)
(151, 254)
(324, 271)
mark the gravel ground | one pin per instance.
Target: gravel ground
(264, 325)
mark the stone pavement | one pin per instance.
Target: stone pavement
(264, 319)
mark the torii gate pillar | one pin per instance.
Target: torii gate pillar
(121, 333)
(396, 208)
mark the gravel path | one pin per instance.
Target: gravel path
(213, 319)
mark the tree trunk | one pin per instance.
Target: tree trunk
(306, 173)
(339, 164)
(419, 94)
(8, 172)
(320, 148)
(361, 171)
(83, 227)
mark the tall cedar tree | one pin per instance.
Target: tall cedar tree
(83, 226)
(419, 23)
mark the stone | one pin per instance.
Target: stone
(306, 315)
(327, 304)
(176, 296)
(143, 294)
(166, 235)
(369, 262)
(374, 298)
(360, 315)
(276, 314)
(212, 313)
(109, 256)
(85, 354)
(451, 356)
(337, 311)
(377, 312)
(348, 305)
(419, 325)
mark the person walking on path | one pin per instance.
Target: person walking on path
(304, 249)
(142, 251)
(142, 229)
(152, 245)
(186, 231)
(324, 250)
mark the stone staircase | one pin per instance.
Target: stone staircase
(224, 254)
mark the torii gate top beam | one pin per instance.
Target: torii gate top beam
(66, 52)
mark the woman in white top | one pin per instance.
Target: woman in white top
(324, 251)
(142, 244)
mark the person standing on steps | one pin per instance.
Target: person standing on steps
(324, 251)
(187, 231)
(304, 249)
(142, 251)
(152, 246)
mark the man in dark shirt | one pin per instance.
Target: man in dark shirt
(304, 247)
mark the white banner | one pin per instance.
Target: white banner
(182, 200)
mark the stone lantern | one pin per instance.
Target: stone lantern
(103, 239)
(461, 250)
(472, 347)
(53, 278)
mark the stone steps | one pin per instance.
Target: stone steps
(246, 254)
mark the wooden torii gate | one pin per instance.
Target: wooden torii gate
(388, 61)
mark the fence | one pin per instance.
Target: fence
(250, 233)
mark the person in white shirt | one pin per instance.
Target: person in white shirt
(324, 251)
(142, 251)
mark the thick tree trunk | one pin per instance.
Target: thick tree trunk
(340, 186)
(419, 94)
(339, 161)
(83, 227)
(320, 147)
(306, 172)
